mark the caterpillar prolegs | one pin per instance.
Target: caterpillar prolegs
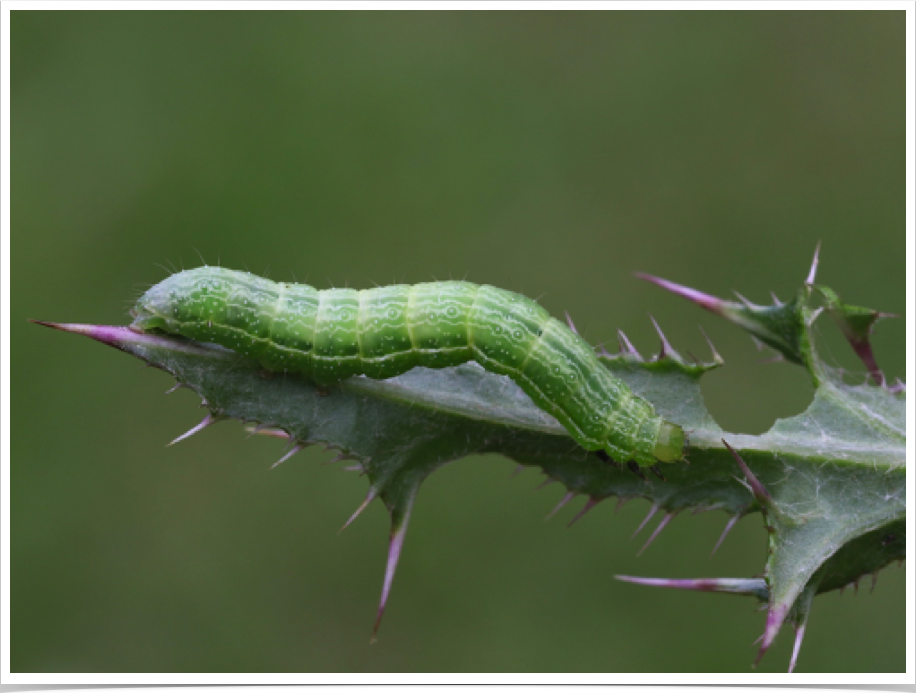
(334, 334)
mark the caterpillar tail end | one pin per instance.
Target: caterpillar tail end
(671, 442)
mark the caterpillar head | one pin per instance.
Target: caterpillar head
(669, 447)
(164, 302)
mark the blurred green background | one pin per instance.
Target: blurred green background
(551, 153)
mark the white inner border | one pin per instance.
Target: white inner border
(468, 679)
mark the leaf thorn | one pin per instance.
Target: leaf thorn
(728, 528)
(666, 349)
(812, 273)
(652, 511)
(547, 482)
(563, 501)
(710, 303)
(591, 503)
(296, 448)
(775, 617)
(760, 493)
(209, 420)
(661, 525)
(799, 636)
(626, 346)
(717, 359)
(369, 498)
(395, 544)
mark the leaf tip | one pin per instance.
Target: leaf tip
(775, 618)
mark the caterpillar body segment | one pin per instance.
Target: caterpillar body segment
(334, 334)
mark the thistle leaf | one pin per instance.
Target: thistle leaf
(830, 482)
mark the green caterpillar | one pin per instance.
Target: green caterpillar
(334, 334)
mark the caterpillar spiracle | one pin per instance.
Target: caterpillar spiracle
(334, 334)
